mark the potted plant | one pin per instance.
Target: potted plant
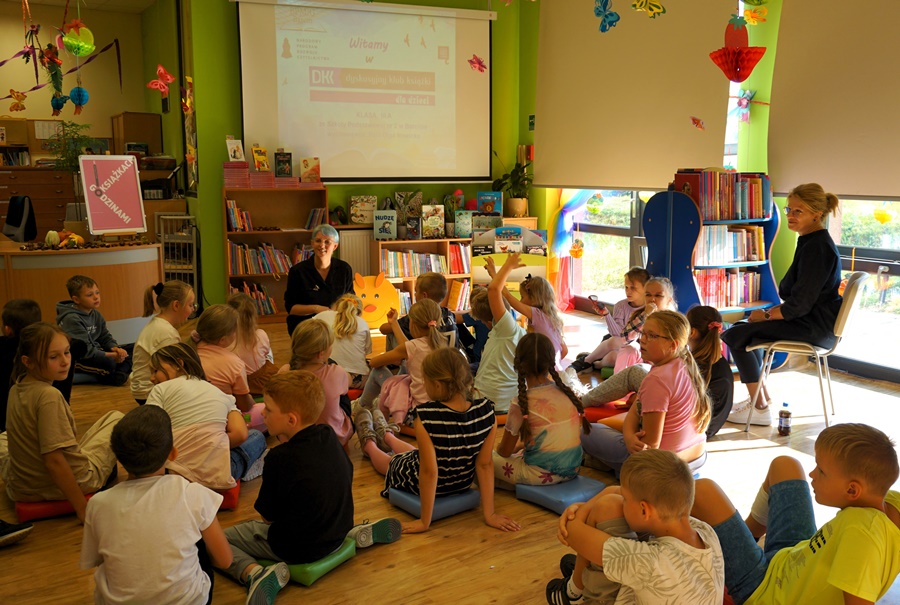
(68, 143)
(514, 184)
(451, 205)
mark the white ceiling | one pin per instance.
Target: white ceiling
(116, 6)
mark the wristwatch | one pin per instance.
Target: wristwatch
(767, 314)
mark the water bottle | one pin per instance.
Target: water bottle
(784, 420)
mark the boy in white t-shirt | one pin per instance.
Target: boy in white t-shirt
(154, 537)
(682, 561)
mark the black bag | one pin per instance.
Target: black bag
(20, 225)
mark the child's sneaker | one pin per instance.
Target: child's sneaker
(382, 426)
(567, 565)
(266, 583)
(557, 595)
(10, 533)
(384, 531)
(256, 469)
(582, 367)
(365, 429)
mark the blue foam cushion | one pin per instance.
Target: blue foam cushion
(307, 573)
(558, 496)
(444, 506)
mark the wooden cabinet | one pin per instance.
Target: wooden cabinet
(279, 219)
(529, 222)
(417, 256)
(50, 190)
(137, 127)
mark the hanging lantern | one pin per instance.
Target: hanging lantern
(57, 103)
(882, 215)
(79, 42)
(79, 97)
(737, 58)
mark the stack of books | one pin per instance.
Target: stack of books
(265, 304)
(459, 258)
(458, 300)
(287, 182)
(238, 220)
(262, 180)
(237, 175)
(317, 216)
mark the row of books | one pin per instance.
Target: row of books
(407, 263)
(317, 216)
(301, 253)
(719, 244)
(458, 299)
(727, 287)
(15, 157)
(460, 258)
(238, 220)
(262, 180)
(722, 195)
(405, 302)
(265, 304)
(266, 258)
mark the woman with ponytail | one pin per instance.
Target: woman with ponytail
(672, 408)
(547, 417)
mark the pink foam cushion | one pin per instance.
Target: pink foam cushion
(30, 511)
(598, 413)
(230, 497)
(256, 418)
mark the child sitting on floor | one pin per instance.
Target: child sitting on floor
(681, 563)
(454, 434)
(306, 497)
(431, 286)
(216, 331)
(547, 417)
(44, 460)
(352, 338)
(850, 559)
(154, 537)
(252, 344)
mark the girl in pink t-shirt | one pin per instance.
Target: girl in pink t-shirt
(672, 408)
(216, 331)
(252, 344)
(311, 345)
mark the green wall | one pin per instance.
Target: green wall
(158, 30)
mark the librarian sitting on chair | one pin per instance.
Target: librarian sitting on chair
(809, 291)
(316, 283)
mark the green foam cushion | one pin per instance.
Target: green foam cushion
(307, 573)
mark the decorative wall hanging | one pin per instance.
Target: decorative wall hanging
(653, 8)
(161, 83)
(608, 18)
(744, 100)
(18, 98)
(477, 64)
(755, 16)
(697, 123)
(737, 59)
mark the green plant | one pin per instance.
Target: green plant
(68, 143)
(514, 183)
(451, 205)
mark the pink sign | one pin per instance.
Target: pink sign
(112, 194)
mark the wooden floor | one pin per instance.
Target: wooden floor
(460, 560)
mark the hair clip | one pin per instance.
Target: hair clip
(158, 288)
(195, 336)
(432, 323)
(715, 325)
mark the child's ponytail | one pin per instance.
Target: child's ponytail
(448, 370)
(247, 314)
(541, 293)
(179, 355)
(707, 349)
(674, 325)
(308, 341)
(347, 308)
(215, 323)
(426, 314)
(165, 294)
(576, 401)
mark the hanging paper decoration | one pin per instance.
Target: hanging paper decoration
(79, 97)
(882, 215)
(57, 103)
(652, 7)
(697, 123)
(742, 110)
(18, 97)
(756, 2)
(755, 16)
(608, 18)
(79, 41)
(577, 249)
(161, 83)
(737, 59)
(477, 64)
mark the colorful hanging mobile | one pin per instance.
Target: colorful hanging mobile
(755, 16)
(653, 8)
(57, 103)
(78, 39)
(79, 97)
(737, 58)
(18, 97)
(882, 214)
(608, 18)
(742, 110)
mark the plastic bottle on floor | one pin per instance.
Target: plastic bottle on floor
(784, 420)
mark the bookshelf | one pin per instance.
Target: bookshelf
(403, 260)
(724, 263)
(259, 255)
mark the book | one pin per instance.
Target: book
(310, 170)
(490, 202)
(235, 150)
(486, 222)
(463, 223)
(260, 158)
(283, 164)
(384, 224)
(413, 227)
(361, 209)
(508, 239)
(432, 222)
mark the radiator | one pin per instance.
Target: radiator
(355, 249)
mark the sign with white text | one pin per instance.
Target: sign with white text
(112, 194)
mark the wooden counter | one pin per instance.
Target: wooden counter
(122, 273)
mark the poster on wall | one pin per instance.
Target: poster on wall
(112, 194)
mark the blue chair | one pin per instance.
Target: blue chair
(558, 496)
(307, 573)
(444, 506)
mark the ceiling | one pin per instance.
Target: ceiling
(116, 6)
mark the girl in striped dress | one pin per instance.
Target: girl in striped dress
(455, 436)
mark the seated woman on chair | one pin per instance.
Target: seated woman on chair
(810, 294)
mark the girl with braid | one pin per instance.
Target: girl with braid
(672, 407)
(547, 417)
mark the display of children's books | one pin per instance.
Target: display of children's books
(384, 224)
(260, 158)
(361, 209)
(310, 171)
(432, 222)
(463, 223)
(500, 242)
(508, 239)
(235, 150)
(283, 163)
(402, 197)
(490, 202)
(486, 222)
(413, 227)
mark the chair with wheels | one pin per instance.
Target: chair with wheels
(821, 354)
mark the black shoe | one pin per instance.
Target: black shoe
(567, 566)
(581, 356)
(556, 592)
(10, 533)
(582, 367)
(120, 378)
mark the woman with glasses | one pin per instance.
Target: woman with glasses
(809, 291)
(316, 283)
(672, 408)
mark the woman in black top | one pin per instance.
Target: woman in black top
(315, 283)
(809, 291)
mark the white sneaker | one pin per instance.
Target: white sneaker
(759, 417)
(256, 469)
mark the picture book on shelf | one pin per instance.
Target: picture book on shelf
(235, 150)
(413, 227)
(310, 170)
(283, 163)
(508, 239)
(482, 222)
(361, 209)
(490, 202)
(463, 223)
(260, 158)
(432, 221)
(384, 224)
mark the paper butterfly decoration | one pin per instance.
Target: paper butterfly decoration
(162, 82)
(756, 16)
(18, 97)
(608, 18)
(697, 123)
(742, 108)
(477, 64)
(652, 7)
